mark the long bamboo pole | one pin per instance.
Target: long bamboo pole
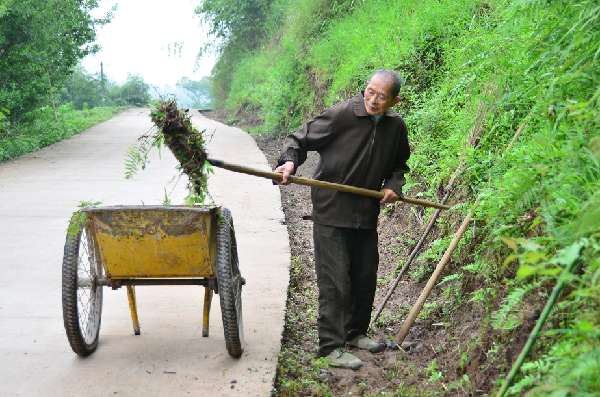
(417, 247)
(535, 332)
(322, 184)
(414, 311)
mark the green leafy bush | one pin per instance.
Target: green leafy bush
(40, 44)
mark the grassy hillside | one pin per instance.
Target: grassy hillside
(510, 87)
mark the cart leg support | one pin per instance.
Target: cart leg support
(208, 294)
(133, 309)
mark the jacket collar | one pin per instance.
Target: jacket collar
(358, 105)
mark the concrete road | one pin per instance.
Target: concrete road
(39, 191)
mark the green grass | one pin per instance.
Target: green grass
(45, 127)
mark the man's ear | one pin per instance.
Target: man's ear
(395, 100)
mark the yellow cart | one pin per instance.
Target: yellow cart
(126, 246)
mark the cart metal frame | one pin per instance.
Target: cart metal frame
(129, 246)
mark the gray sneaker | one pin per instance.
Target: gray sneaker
(341, 359)
(366, 343)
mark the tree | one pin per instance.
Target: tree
(83, 90)
(238, 27)
(236, 21)
(40, 44)
(134, 92)
(198, 92)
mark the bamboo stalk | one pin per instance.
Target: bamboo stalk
(414, 312)
(322, 184)
(535, 332)
(409, 262)
(419, 245)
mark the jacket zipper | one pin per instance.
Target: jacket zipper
(372, 144)
(366, 169)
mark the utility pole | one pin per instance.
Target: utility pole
(102, 83)
(102, 74)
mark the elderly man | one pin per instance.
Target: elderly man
(363, 143)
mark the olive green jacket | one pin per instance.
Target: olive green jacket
(356, 151)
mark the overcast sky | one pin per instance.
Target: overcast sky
(157, 39)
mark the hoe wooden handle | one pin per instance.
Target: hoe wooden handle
(322, 184)
(414, 312)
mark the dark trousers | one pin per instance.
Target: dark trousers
(346, 265)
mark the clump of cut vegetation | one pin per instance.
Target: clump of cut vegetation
(173, 128)
(79, 217)
(185, 141)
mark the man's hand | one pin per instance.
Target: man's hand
(286, 169)
(389, 196)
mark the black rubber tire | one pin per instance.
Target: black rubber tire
(81, 344)
(230, 283)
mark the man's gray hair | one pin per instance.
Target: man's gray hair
(393, 77)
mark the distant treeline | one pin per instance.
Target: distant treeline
(41, 42)
(41, 45)
(84, 90)
(45, 95)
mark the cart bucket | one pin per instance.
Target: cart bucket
(154, 241)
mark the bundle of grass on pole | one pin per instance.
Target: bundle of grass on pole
(185, 142)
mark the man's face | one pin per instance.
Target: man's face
(377, 96)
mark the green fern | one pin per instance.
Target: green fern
(137, 155)
(133, 162)
(137, 158)
(506, 318)
(563, 371)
